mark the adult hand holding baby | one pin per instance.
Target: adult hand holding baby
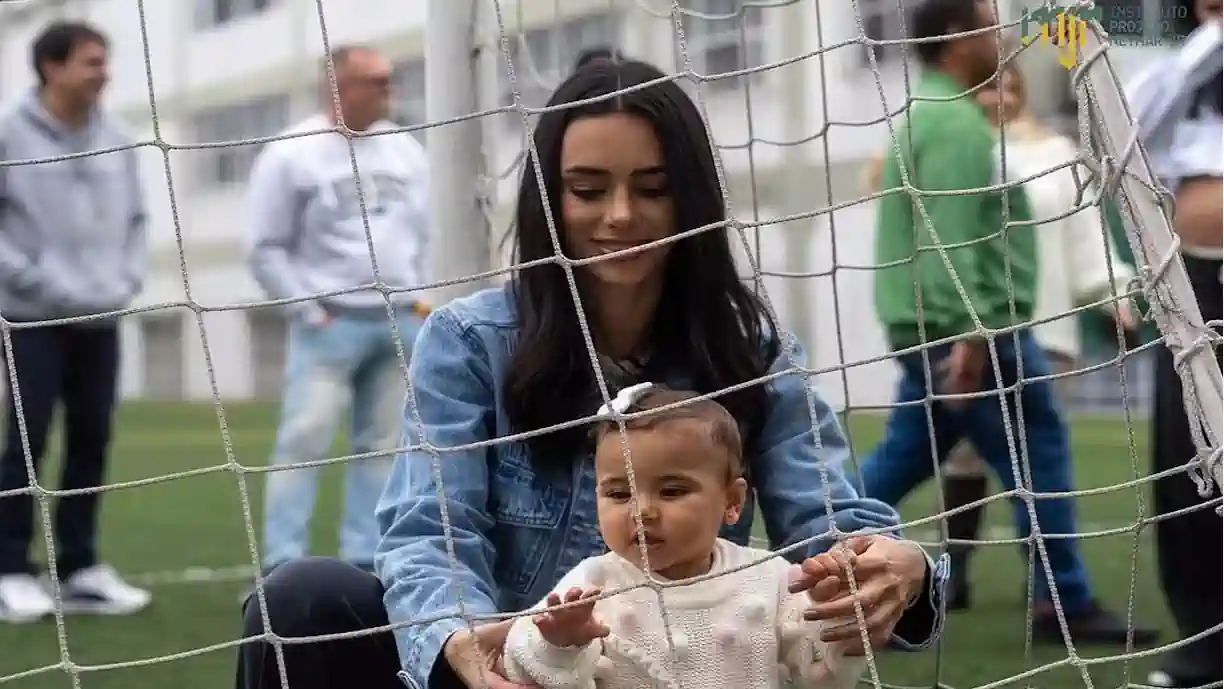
(888, 574)
(476, 656)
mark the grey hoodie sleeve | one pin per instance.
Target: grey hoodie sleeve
(136, 249)
(17, 270)
(275, 216)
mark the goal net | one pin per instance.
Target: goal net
(799, 97)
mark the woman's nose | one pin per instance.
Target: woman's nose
(620, 208)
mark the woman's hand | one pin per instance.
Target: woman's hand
(888, 574)
(476, 656)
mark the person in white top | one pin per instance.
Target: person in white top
(727, 617)
(323, 208)
(1078, 265)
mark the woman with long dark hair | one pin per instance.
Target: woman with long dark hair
(478, 528)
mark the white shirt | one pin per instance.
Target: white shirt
(1160, 101)
(1073, 267)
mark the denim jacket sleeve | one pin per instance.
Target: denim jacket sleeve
(453, 390)
(797, 505)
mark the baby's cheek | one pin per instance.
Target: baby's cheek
(614, 527)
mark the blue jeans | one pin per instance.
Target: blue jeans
(904, 459)
(351, 360)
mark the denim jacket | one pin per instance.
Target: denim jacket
(516, 533)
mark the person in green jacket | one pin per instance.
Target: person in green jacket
(956, 264)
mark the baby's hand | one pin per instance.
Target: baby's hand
(824, 576)
(573, 626)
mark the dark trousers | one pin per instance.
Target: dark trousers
(77, 365)
(1188, 547)
(905, 457)
(314, 596)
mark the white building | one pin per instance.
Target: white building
(239, 69)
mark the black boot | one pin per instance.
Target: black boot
(1092, 625)
(959, 491)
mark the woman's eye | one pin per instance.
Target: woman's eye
(655, 192)
(674, 492)
(586, 193)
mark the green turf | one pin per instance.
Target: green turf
(198, 521)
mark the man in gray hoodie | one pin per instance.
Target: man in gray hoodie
(322, 209)
(72, 245)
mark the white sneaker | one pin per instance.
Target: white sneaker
(23, 599)
(99, 590)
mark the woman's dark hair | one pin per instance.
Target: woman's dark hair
(707, 318)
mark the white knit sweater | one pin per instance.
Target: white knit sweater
(741, 629)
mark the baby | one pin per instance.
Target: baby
(741, 628)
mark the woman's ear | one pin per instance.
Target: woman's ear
(737, 495)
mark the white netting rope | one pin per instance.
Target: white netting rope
(1117, 169)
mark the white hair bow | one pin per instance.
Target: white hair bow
(625, 399)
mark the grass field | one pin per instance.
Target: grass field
(197, 522)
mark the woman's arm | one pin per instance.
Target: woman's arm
(800, 440)
(454, 396)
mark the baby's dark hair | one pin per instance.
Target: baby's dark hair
(719, 423)
(590, 55)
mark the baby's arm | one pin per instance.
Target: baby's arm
(531, 659)
(812, 663)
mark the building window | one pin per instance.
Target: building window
(550, 55)
(253, 119)
(213, 13)
(408, 86)
(883, 20)
(727, 36)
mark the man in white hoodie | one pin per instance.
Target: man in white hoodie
(321, 223)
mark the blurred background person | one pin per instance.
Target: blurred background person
(309, 236)
(1178, 110)
(947, 144)
(72, 243)
(1074, 268)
